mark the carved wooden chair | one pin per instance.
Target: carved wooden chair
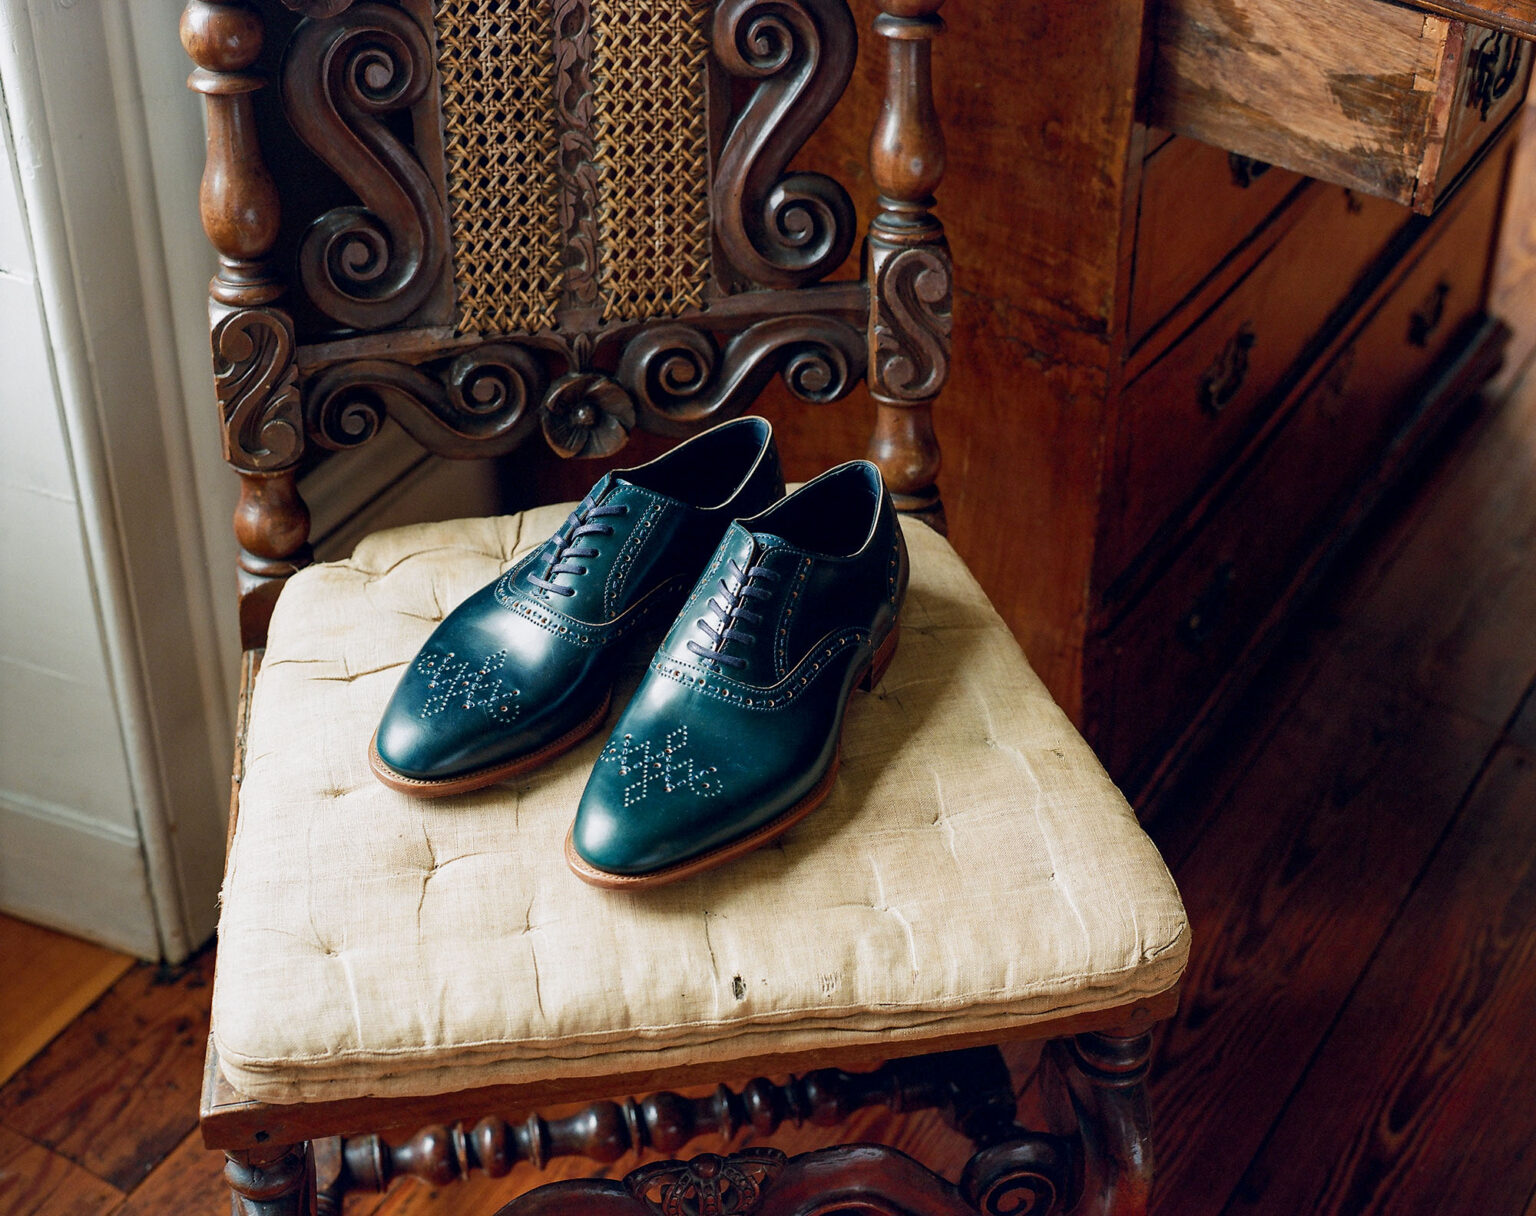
(491, 218)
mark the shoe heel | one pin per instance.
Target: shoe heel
(884, 653)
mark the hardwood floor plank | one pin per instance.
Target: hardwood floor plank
(1182, 815)
(36, 1182)
(1449, 615)
(190, 1180)
(1420, 1100)
(1288, 892)
(118, 1090)
(46, 980)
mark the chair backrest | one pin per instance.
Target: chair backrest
(486, 218)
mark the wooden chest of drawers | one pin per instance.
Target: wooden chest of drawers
(1273, 513)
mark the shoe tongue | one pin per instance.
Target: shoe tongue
(605, 485)
(743, 542)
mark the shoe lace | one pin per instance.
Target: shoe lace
(577, 525)
(731, 612)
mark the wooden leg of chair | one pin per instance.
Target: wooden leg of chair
(272, 1180)
(1106, 1075)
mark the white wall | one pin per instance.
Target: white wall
(69, 838)
(120, 784)
(118, 646)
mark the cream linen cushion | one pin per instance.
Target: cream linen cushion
(973, 870)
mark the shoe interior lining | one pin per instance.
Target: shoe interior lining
(833, 516)
(707, 473)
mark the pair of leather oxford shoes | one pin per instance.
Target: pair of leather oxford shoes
(732, 735)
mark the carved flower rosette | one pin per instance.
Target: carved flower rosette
(709, 1185)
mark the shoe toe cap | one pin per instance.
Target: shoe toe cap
(412, 748)
(602, 838)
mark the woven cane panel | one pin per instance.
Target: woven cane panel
(499, 137)
(652, 135)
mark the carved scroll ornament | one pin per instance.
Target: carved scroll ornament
(913, 300)
(255, 381)
(318, 8)
(781, 229)
(672, 379)
(680, 378)
(480, 404)
(371, 265)
(867, 1179)
(1032, 1175)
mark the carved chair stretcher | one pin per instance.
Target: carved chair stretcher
(577, 217)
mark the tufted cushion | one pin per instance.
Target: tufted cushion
(974, 869)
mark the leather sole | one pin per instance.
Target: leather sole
(462, 783)
(755, 839)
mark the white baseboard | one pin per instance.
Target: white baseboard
(47, 848)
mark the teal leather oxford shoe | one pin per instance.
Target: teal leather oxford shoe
(523, 669)
(733, 734)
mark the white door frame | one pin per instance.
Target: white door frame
(99, 115)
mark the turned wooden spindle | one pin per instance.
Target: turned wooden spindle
(964, 1084)
(238, 200)
(908, 263)
(272, 526)
(253, 342)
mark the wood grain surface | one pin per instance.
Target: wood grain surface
(118, 1089)
(35, 1182)
(46, 980)
(1516, 16)
(1345, 90)
(1523, 729)
(1513, 291)
(1173, 255)
(1471, 648)
(1435, 1038)
(1325, 835)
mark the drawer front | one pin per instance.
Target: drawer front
(1185, 417)
(1156, 668)
(1494, 73)
(1198, 204)
(1356, 92)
